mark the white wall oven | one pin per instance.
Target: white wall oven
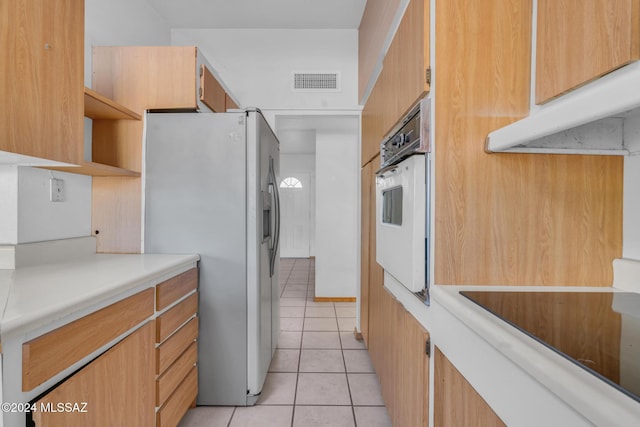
(402, 202)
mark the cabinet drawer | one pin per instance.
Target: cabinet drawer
(49, 354)
(175, 288)
(168, 381)
(179, 402)
(173, 347)
(176, 316)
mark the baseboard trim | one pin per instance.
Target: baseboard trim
(334, 299)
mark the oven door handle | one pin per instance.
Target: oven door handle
(380, 172)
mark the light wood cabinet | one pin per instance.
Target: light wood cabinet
(150, 377)
(456, 402)
(365, 181)
(507, 219)
(406, 69)
(115, 388)
(47, 355)
(142, 78)
(371, 272)
(41, 79)
(176, 347)
(579, 41)
(398, 350)
(372, 132)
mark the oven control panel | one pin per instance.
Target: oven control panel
(409, 137)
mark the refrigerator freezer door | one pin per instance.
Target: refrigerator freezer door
(196, 202)
(263, 302)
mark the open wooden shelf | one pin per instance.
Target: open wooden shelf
(99, 107)
(97, 169)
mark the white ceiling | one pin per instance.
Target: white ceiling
(290, 14)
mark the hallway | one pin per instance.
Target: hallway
(320, 375)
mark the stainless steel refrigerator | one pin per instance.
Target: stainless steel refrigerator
(211, 188)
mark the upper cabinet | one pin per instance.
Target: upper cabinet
(578, 41)
(42, 71)
(157, 77)
(586, 65)
(404, 79)
(144, 78)
(406, 64)
(372, 132)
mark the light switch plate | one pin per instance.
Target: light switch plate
(57, 190)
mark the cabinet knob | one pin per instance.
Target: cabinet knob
(47, 46)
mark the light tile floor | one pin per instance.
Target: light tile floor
(320, 375)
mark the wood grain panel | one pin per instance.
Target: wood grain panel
(406, 62)
(169, 381)
(49, 354)
(413, 388)
(212, 93)
(173, 347)
(116, 387)
(366, 178)
(399, 357)
(456, 401)
(42, 83)
(179, 402)
(176, 316)
(372, 132)
(116, 214)
(374, 28)
(510, 219)
(375, 344)
(175, 288)
(578, 41)
(229, 103)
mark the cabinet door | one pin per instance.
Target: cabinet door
(41, 78)
(456, 403)
(372, 132)
(211, 91)
(366, 183)
(413, 386)
(117, 388)
(406, 63)
(579, 41)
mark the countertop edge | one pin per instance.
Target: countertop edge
(557, 374)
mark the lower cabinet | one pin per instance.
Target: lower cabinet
(148, 378)
(176, 385)
(399, 351)
(456, 403)
(112, 390)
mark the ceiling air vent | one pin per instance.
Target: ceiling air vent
(316, 81)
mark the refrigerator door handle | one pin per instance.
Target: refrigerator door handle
(275, 236)
(277, 230)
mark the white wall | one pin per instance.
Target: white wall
(256, 64)
(337, 218)
(121, 23)
(27, 213)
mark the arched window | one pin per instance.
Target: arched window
(290, 182)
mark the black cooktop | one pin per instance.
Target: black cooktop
(598, 331)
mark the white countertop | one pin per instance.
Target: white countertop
(35, 296)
